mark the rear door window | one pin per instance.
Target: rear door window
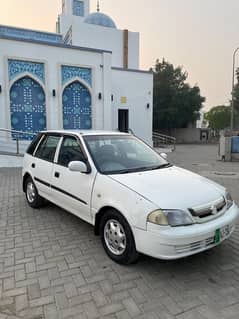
(47, 149)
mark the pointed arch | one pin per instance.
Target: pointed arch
(76, 106)
(29, 75)
(27, 106)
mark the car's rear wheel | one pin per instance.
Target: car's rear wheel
(34, 200)
(117, 238)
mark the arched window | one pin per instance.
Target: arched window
(76, 101)
(27, 106)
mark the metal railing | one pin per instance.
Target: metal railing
(164, 141)
(161, 140)
(14, 142)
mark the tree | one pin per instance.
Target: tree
(236, 101)
(219, 117)
(176, 104)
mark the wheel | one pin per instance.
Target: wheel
(33, 198)
(117, 238)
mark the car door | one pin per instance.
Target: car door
(42, 164)
(72, 190)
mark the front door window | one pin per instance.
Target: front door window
(70, 151)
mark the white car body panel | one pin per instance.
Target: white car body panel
(177, 242)
(108, 192)
(77, 187)
(171, 188)
(44, 171)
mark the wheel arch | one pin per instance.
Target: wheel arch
(100, 214)
(25, 177)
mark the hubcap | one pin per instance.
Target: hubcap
(31, 192)
(115, 237)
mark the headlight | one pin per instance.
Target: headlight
(170, 217)
(229, 200)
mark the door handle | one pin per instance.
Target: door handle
(33, 165)
(57, 174)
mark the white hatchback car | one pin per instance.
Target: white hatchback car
(136, 200)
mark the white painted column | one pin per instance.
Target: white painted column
(97, 104)
(107, 80)
(86, 8)
(53, 104)
(4, 105)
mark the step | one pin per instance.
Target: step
(10, 161)
(8, 146)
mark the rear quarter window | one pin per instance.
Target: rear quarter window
(34, 144)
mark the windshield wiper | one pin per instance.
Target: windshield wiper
(138, 169)
(166, 165)
(144, 168)
(132, 170)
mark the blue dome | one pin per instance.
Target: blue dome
(102, 19)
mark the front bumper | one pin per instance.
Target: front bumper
(166, 242)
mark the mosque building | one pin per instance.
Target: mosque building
(84, 76)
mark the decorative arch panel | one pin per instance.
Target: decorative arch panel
(76, 102)
(27, 107)
(18, 67)
(70, 72)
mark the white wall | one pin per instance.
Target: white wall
(53, 57)
(65, 24)
(98, 37)
(3, 113)
(137, 87)
(134, 55)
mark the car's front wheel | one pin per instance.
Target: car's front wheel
(117, 238)
(33, 198)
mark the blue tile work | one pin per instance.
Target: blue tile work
(76, 102)
(235, 144)
(17, 67)
(26, 34)
(78, 8)
(28, 107)
(70, 72)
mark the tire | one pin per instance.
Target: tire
(34, 200)
(117, 238)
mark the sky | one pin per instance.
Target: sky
(199, 35)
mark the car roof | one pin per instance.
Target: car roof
(86, 132)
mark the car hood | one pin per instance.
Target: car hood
(172, 188)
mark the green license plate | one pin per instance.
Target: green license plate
(218, 236)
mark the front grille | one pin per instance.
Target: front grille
(180, 249)
(203, 244)
(210, 209)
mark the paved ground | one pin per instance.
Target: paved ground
(52, 266)
(10, 161)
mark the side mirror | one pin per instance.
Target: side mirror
(78, 166)
(164, 155)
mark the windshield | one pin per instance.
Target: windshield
(121, 154)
